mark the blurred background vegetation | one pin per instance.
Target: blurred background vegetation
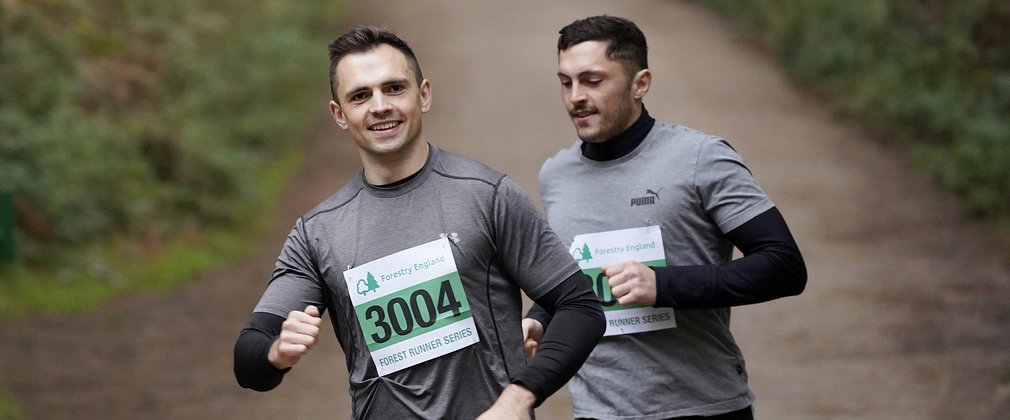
(931, 75)
(144, 141)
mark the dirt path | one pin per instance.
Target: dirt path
(906, 314)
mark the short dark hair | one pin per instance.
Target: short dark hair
(625, 42)
(362, 39)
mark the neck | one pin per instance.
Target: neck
(382, 170)
(624, 143)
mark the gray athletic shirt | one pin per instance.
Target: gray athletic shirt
(695, 187)
(500, 244)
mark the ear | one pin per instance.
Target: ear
(338, 114)
(425, 89)
(641, 83)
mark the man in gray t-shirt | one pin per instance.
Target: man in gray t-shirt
(652, 212)
(419, 261)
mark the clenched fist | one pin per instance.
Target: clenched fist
(632, 282)
(298, 334)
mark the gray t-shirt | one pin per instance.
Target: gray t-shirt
(696, 188)
(500, 244)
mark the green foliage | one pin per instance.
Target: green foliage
(9, 410)
(101, 271)
(932, 74)
(149, 118)
(141, 133)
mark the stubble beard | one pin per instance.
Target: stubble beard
(611, 124)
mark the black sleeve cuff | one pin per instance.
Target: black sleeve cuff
(252, 368)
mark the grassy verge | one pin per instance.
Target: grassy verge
(9, 410)
(127, 123)
(142, 143)
(109, 270)
(933, 77)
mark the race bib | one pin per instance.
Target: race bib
(411, 306)
(596, 250)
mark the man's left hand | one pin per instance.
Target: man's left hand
(632, 282)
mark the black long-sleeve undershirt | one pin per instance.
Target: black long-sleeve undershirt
(252, 368)
(562, 351)
(772, 267)
(579, 321)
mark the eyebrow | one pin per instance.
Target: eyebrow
(585, 73)
(398, 80)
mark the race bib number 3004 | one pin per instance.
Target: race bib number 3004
(411, 306)
(593, 251)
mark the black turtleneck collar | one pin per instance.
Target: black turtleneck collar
(624, 143)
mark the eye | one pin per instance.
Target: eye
(594, 82)
(566, 83)
(396, 88)
(358, 97)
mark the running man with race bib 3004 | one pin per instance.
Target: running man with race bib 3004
(419, 261)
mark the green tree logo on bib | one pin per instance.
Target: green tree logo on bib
(582, 254)
(367, 285)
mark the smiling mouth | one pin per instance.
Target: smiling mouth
(582, 113)
(383, 126)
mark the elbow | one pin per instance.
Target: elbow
(798, 279)
(244, 376)
(599, 324)
(258, 387)
(245, 382)
(792, 271)
(251, 368)
(797, 286)
(593, 322)
(248, 379)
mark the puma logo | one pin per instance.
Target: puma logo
(647, 200)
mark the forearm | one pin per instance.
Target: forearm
(515, 402)
(772, 267)
(576, 326)
(252, 368)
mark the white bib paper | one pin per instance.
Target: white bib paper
(411, 306)
(596, 250)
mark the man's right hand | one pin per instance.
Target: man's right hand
(298, 334)
(533, 332)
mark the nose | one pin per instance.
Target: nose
(576, 94)
(380, 104)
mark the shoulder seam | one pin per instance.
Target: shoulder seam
(466, 177)
(334, 208)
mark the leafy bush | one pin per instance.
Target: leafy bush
(150, 119)
(934, 75)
